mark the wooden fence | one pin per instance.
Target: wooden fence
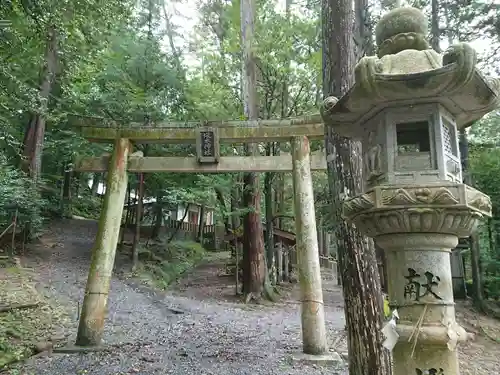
(213, 235)
(189, 227)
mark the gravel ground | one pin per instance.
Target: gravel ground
(212, 336)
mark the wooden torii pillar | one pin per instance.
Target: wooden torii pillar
(207, 136)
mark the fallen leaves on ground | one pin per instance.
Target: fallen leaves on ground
(32, 324)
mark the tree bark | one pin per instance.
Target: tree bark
(254, 270)
(268, 201)
(320, 240)
(280, 178)
(128, 216)
(235, 219)
(179, 224)
(34, 136)
(199, 236)
(66, 192)
(170, 35)
(35, 130)
(95, 183)
(220, 197)
(138, 220)
(363, 301)
(281, 253)
(158, 217)
(235, 225)
(435, 32)
(475, 257)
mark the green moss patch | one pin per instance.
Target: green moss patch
(28, 323)
(163, 263)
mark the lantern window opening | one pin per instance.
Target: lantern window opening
(413, 137)
(414, 151)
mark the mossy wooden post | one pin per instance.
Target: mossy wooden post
(95, 301)
(313, 313)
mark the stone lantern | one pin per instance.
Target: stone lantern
(406, 108)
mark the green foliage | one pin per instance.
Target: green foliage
(87, 206)
(484, 164)
(491, 287)
(163, 263)
(17, 192)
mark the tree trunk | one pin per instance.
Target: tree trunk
(235, 225)
(138, 217)
(286, 263)
(128, 216)
(282, 254)
(278, 222)
(254, 270)
(235, 219)
(179, 224)
(363, 301)
(199, 236)
(475, 260)
(76, 183)
(268, 201)
(253, 243)
(66, 192)
(158, 217)
(35, 130)
(475, 257)
(34, 137)
(170, 35)
(320, 241)
(365, 28)
(435, 32)
(279, 180)
(220, 197)
(96, 179)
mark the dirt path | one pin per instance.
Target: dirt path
(214, 335)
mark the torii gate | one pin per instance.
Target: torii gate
(207, 136)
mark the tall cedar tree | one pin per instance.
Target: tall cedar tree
(254, 270)
(357, 260)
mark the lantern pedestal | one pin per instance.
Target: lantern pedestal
(417, 226)
(420, 288)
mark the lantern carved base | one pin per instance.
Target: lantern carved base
(445, 207)
(417, 226)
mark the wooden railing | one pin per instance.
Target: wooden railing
(189, 227)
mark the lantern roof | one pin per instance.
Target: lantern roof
(406, 71)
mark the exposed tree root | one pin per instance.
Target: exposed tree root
(268, 294)
(485, 333)
(489, 310)
(7, 308)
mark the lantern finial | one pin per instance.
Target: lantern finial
(401, 29)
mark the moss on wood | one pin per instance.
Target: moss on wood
(314, 130)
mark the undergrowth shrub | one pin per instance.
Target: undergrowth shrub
(491, 287)
(163, 263)
(17, 191)
(87, 205)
